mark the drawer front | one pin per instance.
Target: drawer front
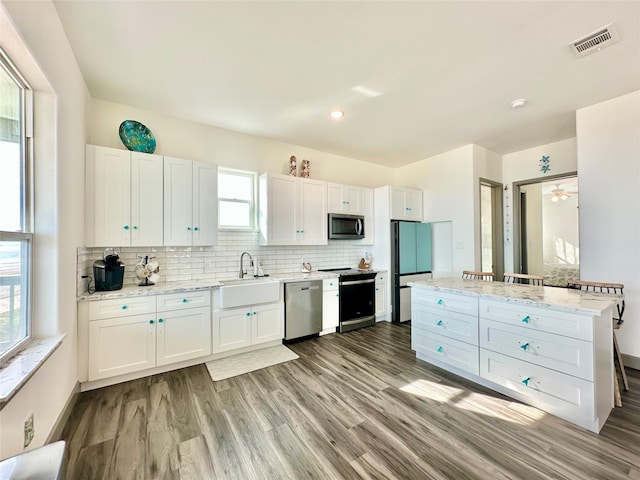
(329, 284)
(557, 393)
(180, 301)
(445, 350)
(441, 322)
(122, 307)
(563, 354)
(446, 301)
(560, 323)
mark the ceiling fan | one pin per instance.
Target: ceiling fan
(560, 194)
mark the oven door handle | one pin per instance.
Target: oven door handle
(358, 227)
(357, 282)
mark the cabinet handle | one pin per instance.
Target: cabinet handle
(189, 228)
(376, 289)
(525, 381)
(126, 227)
(440, 350)
(331, 284)
(151, 322)
(439, 323)
(440, 302)
(524, 346)
(184, 300)
(248, 314)
(337, 294)
(135, 227)
(526, 319)
(381, 278)
(160, 320)
(124, 307)
(195, 228)
(254, 313)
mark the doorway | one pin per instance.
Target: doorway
(491, 231)
(547, 235)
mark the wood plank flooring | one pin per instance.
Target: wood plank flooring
(353, 406)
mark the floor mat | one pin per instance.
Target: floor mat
(248, 362)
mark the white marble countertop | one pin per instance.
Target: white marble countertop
(554, 298)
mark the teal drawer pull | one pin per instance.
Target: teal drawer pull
(440, 301)
(160, 320)
(184, 300)
(248, 314)
(151, 322)
(525, 381)
(126, 227)
(195, 228)
(439, 323)
(524, 346)
(526, 319)
(124, 307)
(440, 350)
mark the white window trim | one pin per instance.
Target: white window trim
(253, 207)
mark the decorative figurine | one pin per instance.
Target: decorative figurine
(293, 166)
(306, 167)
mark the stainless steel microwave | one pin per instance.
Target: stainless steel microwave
(346, 227)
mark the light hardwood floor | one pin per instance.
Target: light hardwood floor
(355, 405)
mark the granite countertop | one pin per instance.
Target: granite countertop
(554, 298)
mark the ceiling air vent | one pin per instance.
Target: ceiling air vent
(593, 42)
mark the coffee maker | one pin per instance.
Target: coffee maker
(108, 273)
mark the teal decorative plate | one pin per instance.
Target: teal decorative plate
(137, 137)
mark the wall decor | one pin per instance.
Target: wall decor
(306, 168)
(293, 166)
(545, 164)
(137, 137)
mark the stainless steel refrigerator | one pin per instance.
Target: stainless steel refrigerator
(410, 261)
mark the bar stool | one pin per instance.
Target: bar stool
(523, 278)
(616, 289)
(488, 276)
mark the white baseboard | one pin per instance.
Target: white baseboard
(56, 431)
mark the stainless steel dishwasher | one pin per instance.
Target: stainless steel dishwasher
(302, 308)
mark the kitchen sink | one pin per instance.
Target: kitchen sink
(248, 291)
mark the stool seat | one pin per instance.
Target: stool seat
(487, 276)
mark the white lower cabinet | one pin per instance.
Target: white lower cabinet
(381, 295)
(330, 305)
(245, 326)
(122, 340)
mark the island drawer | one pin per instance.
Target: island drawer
(445, 301)
(180, 301)
(445, 350)
(556, 393)
(122, 307)
(536, 318)
(563, 354)
(442, 322)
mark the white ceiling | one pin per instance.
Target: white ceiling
(413, 78)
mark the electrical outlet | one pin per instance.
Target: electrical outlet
(29, 430)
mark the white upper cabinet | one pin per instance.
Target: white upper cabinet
(293, 210)
(406, 204)
(190, 202)
(123, 198)
(345, 199)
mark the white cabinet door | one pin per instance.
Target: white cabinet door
(330, 304)
(205, 203)
(313, 212)
(413, 202)
(344, 199)
(121, 345)
(183, 335)
(381, 300)
(353, 197)
(267, 323)
(146, 199)
(108, 197)
(178, 201)
(231, 329)
(282, 210)
(335, 200)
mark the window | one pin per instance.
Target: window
(236, 199)
(15, 217)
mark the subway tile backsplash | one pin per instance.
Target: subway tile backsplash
(223, 260)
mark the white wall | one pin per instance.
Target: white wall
(525, 165)
(195, 141)
(39, 47)
(534, 222)
(608, 136)
(560, 238)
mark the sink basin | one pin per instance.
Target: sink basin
(249, 291)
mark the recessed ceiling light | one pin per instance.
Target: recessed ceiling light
(518, 102)
(337, 114)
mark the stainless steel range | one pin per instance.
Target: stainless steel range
(357, 298)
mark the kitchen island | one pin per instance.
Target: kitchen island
(545, 346)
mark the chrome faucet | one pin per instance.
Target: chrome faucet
(242, 270)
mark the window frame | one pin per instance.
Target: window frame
(253, 210)
(25, 235)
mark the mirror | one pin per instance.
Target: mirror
(548, 242)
